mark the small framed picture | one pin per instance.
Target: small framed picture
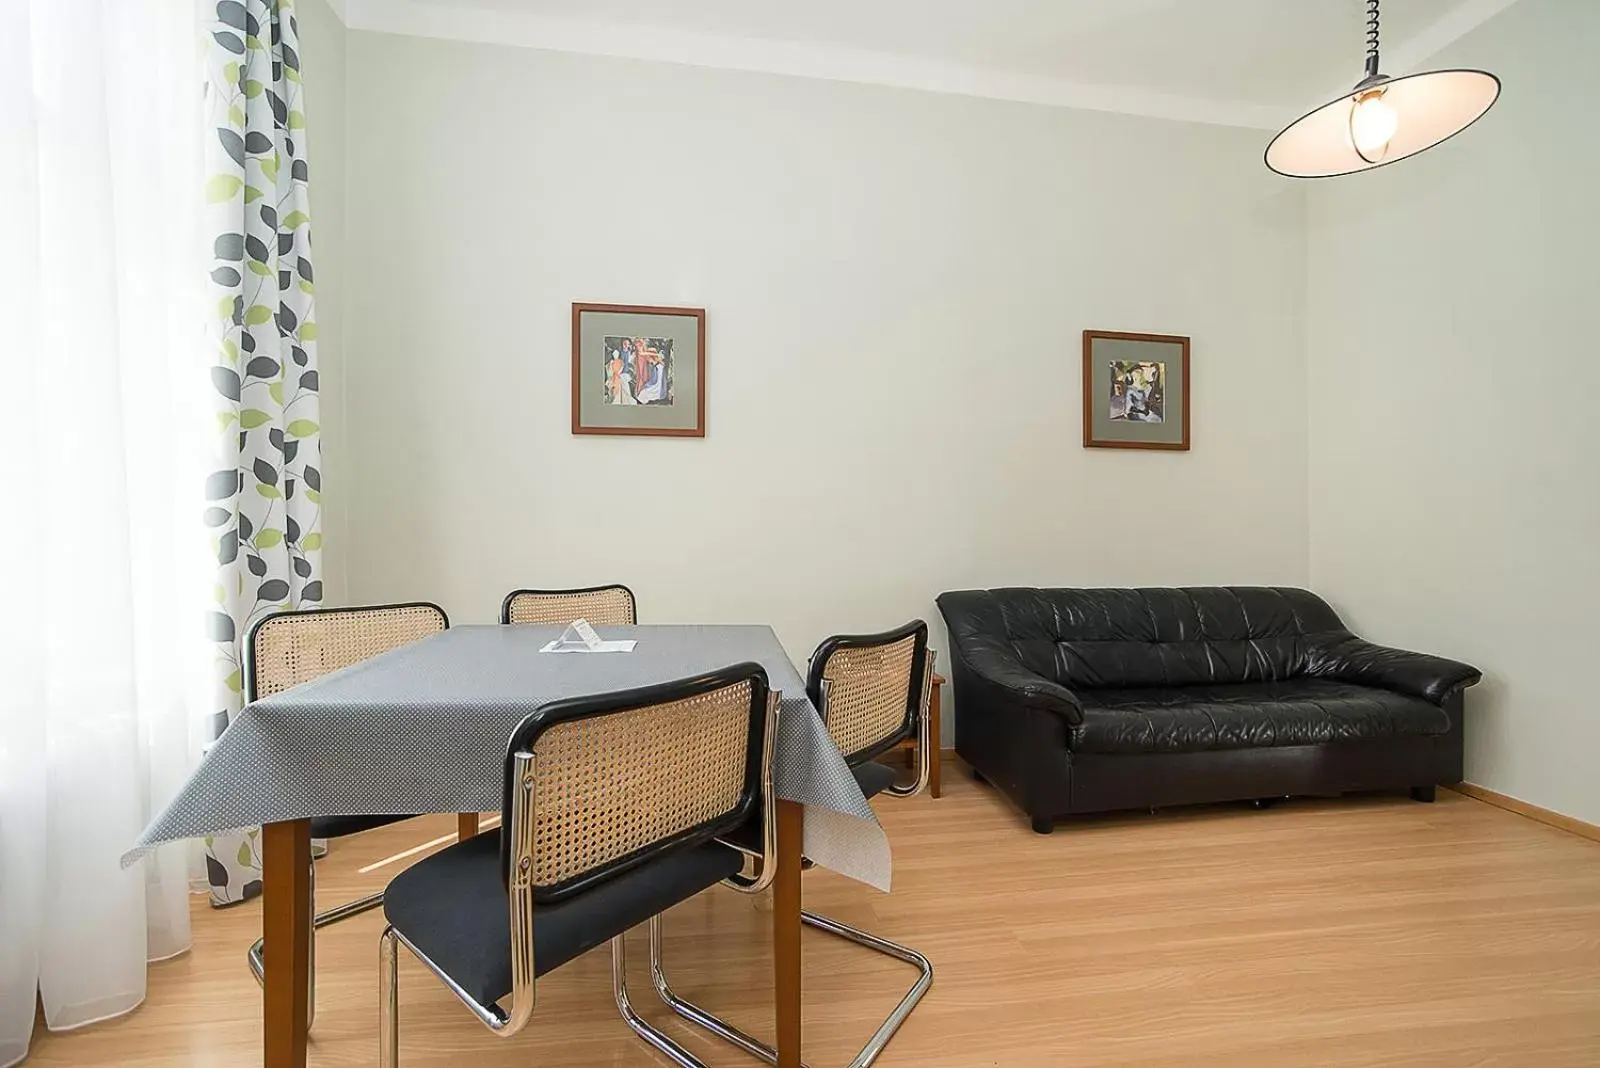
(638, 369)
(1135, 390)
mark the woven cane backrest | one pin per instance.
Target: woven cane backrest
(608, 787)
(294, 647)
(606, 606)
(867, 691)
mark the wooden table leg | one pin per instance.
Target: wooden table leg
(286, 948)
(786, 931)
(933, 739)
(466, 825)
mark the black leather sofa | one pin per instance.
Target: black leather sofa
(1075, 701)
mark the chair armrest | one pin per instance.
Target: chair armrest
(1350, 659)
(1008, 681)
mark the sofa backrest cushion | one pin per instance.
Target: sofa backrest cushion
(1130, 638)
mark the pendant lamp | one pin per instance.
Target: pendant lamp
(1382, 120)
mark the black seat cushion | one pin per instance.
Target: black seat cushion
(873, 778)
(1302, 711)
(452, 907)
(339, 826)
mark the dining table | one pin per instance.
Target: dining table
(423, 728)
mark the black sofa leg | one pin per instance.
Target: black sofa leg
(977, 776)
(1422, 793)
(1042, 824)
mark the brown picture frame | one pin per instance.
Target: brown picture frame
(1090, 441)
(698, 314)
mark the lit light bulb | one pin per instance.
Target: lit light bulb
(1372, 124)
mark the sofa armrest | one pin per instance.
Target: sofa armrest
(1350, 659)
(1008, 679)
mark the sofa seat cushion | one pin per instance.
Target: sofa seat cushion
(1300, 711)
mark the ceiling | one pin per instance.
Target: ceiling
(1244, 62)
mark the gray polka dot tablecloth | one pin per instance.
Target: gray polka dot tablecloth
(423, 729)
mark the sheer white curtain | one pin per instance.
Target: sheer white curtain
(103, 565)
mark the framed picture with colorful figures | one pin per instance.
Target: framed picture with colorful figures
(1135, 390)
(638, 369)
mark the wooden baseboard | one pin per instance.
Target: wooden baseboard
(1533, 812)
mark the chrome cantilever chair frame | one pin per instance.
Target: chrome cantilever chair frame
(520, 894)
(697, 1014)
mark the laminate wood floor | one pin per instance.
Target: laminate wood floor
(1364, 931)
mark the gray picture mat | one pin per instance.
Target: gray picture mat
(684, 330)
(1102, 352)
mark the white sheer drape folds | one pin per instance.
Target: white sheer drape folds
(103, 562)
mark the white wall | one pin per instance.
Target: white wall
(896, 282)
(323, 44)
(1455, 502)
(895, 285)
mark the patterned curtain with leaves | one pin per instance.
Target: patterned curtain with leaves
(265, 490)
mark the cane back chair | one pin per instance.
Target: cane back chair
(616, 807)
(603, 605)
(285, 649)
(872, 692)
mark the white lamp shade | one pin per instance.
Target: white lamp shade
(1432, 107)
